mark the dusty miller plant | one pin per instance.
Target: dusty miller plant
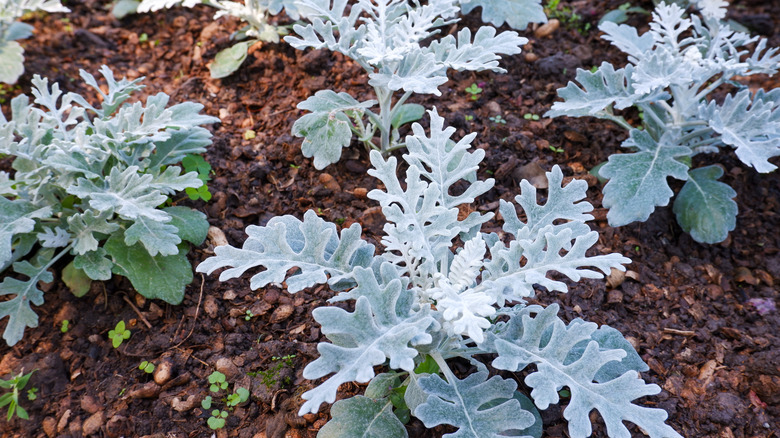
(90, 182)
(255, 13)
(420, 304)
(11, 52)
(672, 70)
(383, 37)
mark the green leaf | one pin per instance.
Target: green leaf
(94, 264)
(243, 394)
(407, 113)
(705, 207)
(156, 277)
(157, 237)
(11, 61)
(229, 60)
(192, 224)
(216, 423)
(206, 403)
(359, 417)
(77, 281)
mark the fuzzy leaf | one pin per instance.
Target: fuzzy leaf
(94, 264)
(705, 207)
(84, 226)
(481, 54)
(77, 281)
(626, 38)
(751, 126)
(16, 217)
(229, 60)
(460, 404)
(597, 92)
(155, 277)
(20, 314)
(544, 340)
(327, 128)
(11, 61)
(179, 145)
(360, 417)
(516, 13)
(311, 245)
(156, 237)
(637, 181)
(381, 328)
(191, 224)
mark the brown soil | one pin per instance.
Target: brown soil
(687, 312)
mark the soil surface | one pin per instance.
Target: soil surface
(685, 306)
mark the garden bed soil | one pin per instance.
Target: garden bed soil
(684, 306)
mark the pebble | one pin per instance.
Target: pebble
(226, 367)
(360, 192)
(93, 424)
(329, 182)
(547, 29)
(216, 237)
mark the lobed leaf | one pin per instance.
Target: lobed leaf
(705, 208)
(359, 417)
(516, 13)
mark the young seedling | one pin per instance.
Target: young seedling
(218, 383)
(119, 334)
(556, 150)
(146, 367)
(199, 165)
(530, 116)
(64, 326)
(11, 399)
(249, 315)
(474, 90)
(498, 119)
(32, 394)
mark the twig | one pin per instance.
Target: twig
(679, 332)
(138, 312)
(197, 312)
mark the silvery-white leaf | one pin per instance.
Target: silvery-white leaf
(16, 217)
(84, 226)
(157, 237)
(544, 340)
(638, 181)
(705, 207)
(371, 335)
(18, 309)
(481, 54)
(599, 90)
(460, 403)
(54, 238)
(626, 38)
(516, 13)
(327, 129)
(94, 264)
(312, 245)
(11, 61)
(751, 126)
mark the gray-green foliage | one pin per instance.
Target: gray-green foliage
(255, 13)
(672, 70)
(90, 182)
(384, 37)
(420, 303)
(11, 52)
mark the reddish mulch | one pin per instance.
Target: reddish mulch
(716, 358)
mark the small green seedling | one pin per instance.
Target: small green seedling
(530, 116)
(146, 367)
(474, 90)
(498, 119)
(11, 399)
(241, 395)
(64, 326)
(249, 315)
(469, 118)
(118, 334)
(196, 163)
(556, 150)
(217, 381)
(32, 393)
(143, 38)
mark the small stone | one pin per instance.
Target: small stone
(531, 57)
(360, 192)
(493, 107)
(229, 295)
(226, 367)
(50, 426)
(163, 372)
(281, 313)
(89, 404)
(547, 29)
(93, 423)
